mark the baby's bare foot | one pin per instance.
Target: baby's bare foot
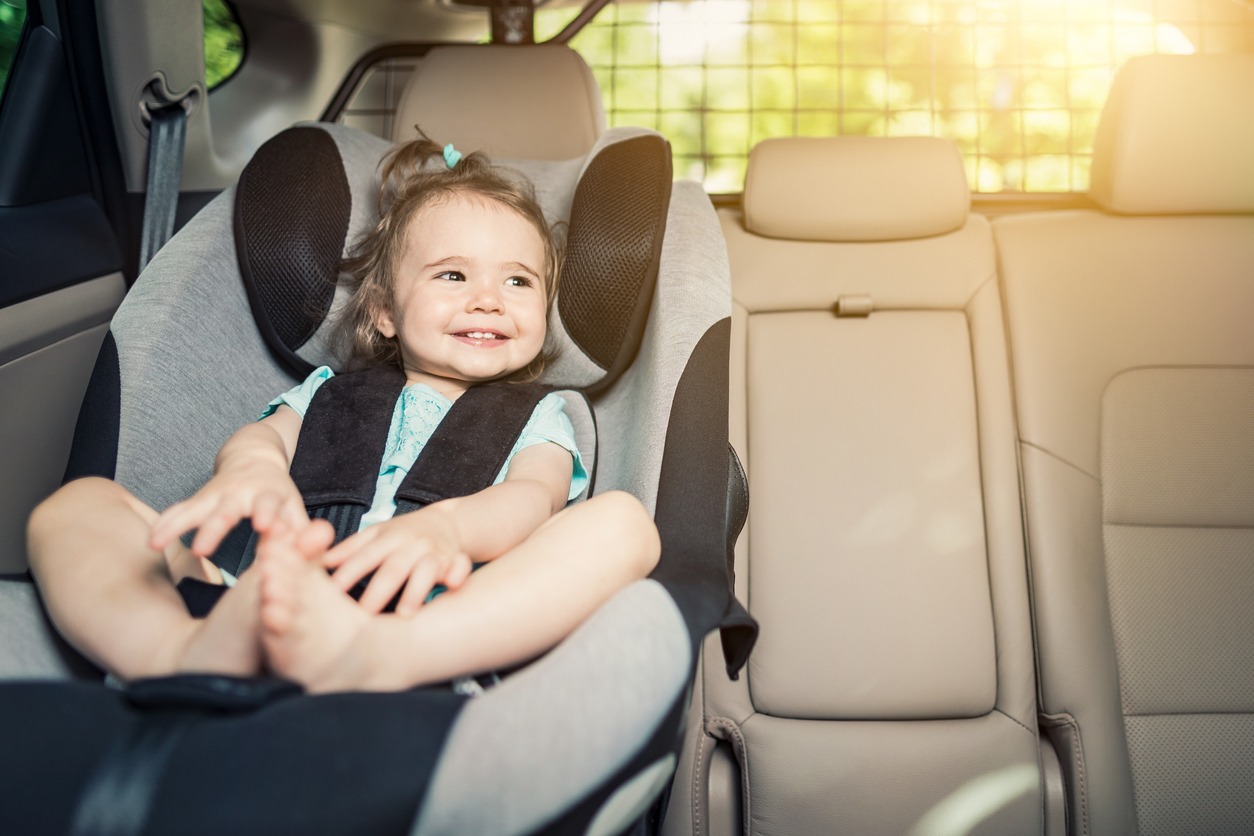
(227, 641)
(308, 625)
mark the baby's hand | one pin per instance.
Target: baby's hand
(416, 550)
(251, 488)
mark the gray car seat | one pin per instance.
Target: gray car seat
(582, 740)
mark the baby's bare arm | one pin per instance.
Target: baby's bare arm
(438, 543)
(250, 480)
(493, 521)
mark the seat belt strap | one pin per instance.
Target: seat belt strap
(165, 168)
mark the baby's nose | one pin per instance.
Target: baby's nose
(486, 299)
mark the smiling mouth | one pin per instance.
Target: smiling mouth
(481, 338)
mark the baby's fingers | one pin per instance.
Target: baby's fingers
(292, 511)
(421, 581)
(225, 517)
(181, 517)
(349, 547)
(388, 579)
(314, 539)
(459, 569)
(368, 558)
(265, 511)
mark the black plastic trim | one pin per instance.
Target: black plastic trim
(94, 451)
(80, 39)
(692, 504)
(48, 246)
(43, 156)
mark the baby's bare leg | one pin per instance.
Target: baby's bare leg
(516, 607)
(114, 598)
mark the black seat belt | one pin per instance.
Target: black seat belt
(165, 169)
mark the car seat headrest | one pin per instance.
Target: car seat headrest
(309, 194)
(855, 188)
(516, 102)
(292, 208)
(1174, 137)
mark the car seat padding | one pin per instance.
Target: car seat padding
(292, 208)
(617, 222)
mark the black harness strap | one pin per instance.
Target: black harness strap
(470, 446)
(344, 436)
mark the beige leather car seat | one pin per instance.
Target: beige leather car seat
(514, 102)
(1132, 332)
(891, 690)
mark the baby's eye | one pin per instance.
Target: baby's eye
(518, 281)
(451, 276)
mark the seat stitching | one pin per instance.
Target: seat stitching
(727, 729)
(1016, 722)
(992, 277)
(1202, 526)
(1054, 455)
(1077, 750)
(697, 772)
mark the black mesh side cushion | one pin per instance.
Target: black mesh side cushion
(292, 208)
(617, 222)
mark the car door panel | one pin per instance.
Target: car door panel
(48, 346)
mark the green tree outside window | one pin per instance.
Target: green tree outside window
(1017, 84)
(224, 42)
(12, 16)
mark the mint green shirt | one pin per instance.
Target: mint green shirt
(419, 410)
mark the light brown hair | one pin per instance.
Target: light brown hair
(414, 176)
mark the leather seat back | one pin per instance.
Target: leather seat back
(883, 555)
(1133, 341)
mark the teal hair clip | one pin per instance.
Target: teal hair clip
(451, 155)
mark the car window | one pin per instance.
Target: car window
(373, 104)
(12, 16)
(224, 42)
(1017, 84)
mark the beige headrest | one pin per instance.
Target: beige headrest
(1177, 137)
(516, 102)
(855, 188)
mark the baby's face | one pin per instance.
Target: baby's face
(469, 303)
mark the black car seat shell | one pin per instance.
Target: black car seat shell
(596, 717)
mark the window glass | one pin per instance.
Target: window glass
(1017, 84)
(224, 42)
(373, 104)
(12, 16)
